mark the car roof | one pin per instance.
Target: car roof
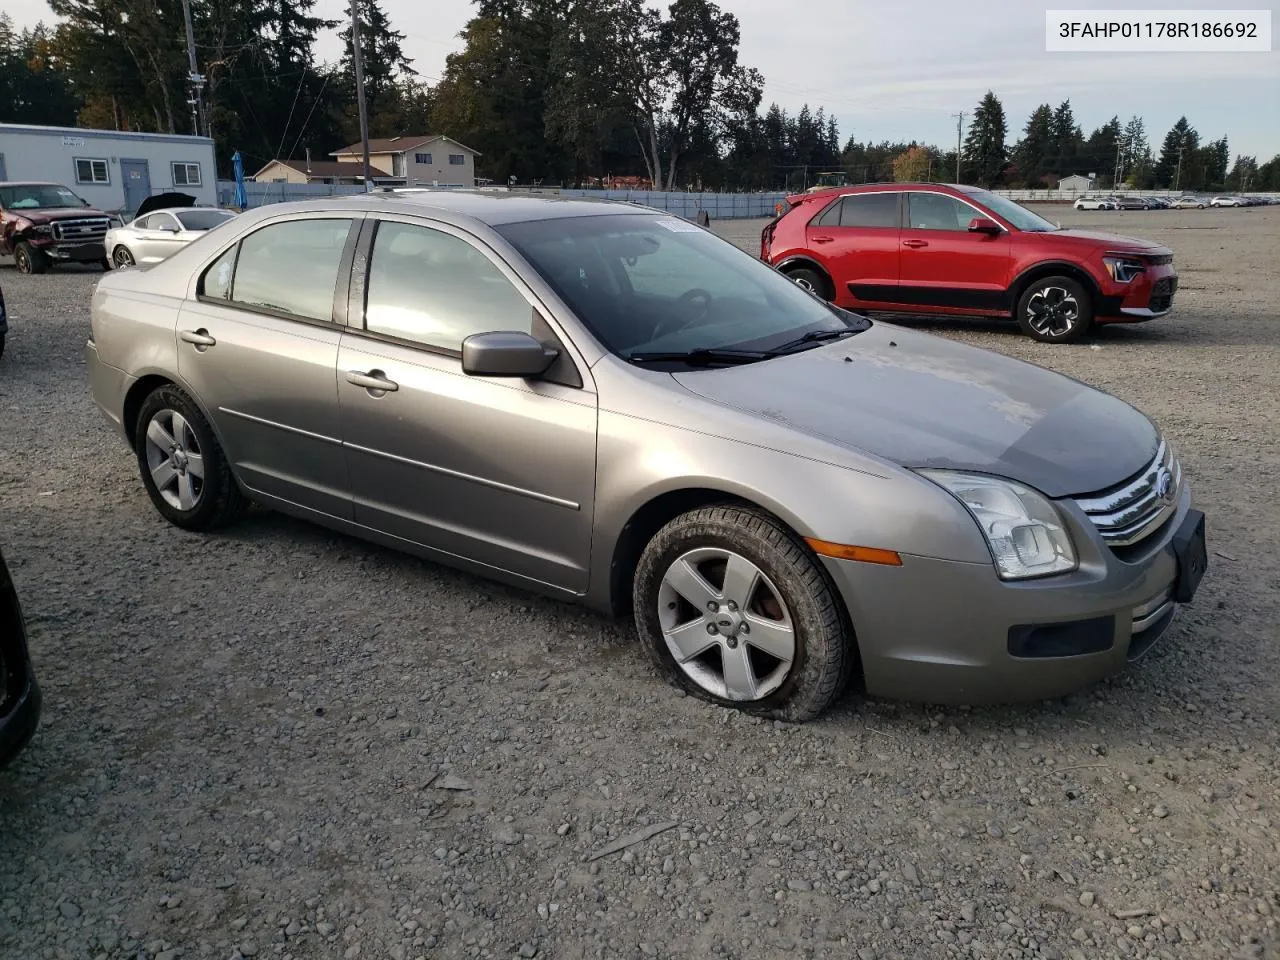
(30, 183)
(890, 185)
(488, 207)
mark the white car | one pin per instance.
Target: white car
(1226, 202)
(1096, 203)
(1187, 203)
(163, 225)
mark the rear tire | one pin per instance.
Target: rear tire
(29, 259)
(182, 464)
(782, 649)
(1055, 310)
(811, 280)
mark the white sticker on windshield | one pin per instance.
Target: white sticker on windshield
(679, 226)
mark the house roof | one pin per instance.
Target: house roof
(320, 168)
(398, 145)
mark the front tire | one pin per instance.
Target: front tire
(182, 464)
(733, 607)
(1055, 310)
(811, 280)
(122, 257)
(29, 259)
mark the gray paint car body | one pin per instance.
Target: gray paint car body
(547, 486)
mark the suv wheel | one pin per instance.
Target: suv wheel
(182, 465)
(1055, 310)
(29, 259)
(733, 607)
(810, 280)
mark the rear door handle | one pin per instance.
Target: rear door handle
(373, 381)
(915, 243)
(823, 239)
(200, 338)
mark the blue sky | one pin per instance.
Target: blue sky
(898, 71)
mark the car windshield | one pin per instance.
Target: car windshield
(202, 219)
(652, 287)
(37, 196)
(1013, 213)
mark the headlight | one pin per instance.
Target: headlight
(44, 230)
(1123, 269)
(1025, 531)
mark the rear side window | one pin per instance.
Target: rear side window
(435, 289)
(863, 210)
(290, 267)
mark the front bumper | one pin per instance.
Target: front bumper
(1145, 297)
(939, 631)
(75, 252)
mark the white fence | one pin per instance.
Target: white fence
(719, 206)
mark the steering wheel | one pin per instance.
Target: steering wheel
(684, 302)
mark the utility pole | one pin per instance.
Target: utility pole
(1115, 177)
(959, 127)
(1177, 177)
(364, 117)
(197, 81)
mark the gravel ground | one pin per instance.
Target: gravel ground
(279, 742)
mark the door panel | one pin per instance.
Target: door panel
(857, 239)
(154, 245)
(270, 385)
(943, 265)
(499, 471)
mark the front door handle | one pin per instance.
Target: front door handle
(375, 381)
(199, 338)
(915, 244)
(823, 239)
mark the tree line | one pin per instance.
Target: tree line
(557, 91)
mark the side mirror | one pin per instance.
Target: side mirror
(167, 228)
(505, 354)
(984, 225)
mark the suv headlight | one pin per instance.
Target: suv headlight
(1123, 269)
(43, 230)
(1026, 533)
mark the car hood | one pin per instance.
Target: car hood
(164, 201)
(44, 215)
(923, 401)
(1112, 241)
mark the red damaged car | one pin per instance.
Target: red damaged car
(927, 248)
(47, 223)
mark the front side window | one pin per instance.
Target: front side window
(91, 171)
(869, 210)
(457, 159)
(652, 284)
(186, 174)
(290, 267)
(1014, 213)
(435, 289)
(936, 211)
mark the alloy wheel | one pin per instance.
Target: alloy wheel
(726, 624)
(804, 283)
(1052, 311)
(122, 258)
(22, 260)
(175, 460)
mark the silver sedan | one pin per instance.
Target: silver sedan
(159, 235)
(607, 403)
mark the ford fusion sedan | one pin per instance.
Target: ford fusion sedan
(963, 251)
(163, 225)
(606, 403)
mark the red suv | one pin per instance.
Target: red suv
(931, 248)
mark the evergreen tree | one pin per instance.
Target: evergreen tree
(984, 150)
(1178, 151)
(384, 66)
(1033, 151)
(1100, 149)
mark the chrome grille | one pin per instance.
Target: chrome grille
(81, 231)
(1135, 509)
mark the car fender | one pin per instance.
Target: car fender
(1026, 273)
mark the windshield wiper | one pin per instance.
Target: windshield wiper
(813, 336)
(703, 355)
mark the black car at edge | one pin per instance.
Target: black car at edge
(19, 694)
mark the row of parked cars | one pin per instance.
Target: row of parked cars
(1107, 201)
(606, 403)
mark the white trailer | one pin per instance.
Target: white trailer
(115, 170)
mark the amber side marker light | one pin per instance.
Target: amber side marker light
(846, 551)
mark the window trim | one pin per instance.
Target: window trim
(106, 167)
(984, 214)
(543, 314)
(337, 311)
(173, 169)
